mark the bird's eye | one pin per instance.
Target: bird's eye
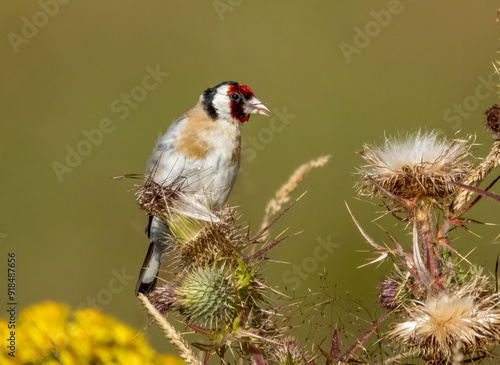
(236, 97)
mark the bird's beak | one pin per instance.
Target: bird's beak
(254, 106)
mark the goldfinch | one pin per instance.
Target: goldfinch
(199, 156)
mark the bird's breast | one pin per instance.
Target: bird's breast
(205, 157)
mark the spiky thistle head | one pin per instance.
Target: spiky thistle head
(468, 317)
(217, 297)
(414, 165)
(203, 243)
(285, 352)
(208, 298)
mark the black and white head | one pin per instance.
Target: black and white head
(232, 101)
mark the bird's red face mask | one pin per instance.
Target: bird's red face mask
(244, 103)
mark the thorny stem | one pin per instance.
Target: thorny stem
(257, 356)
(264, 250)
(398, 358)
(475, 201)
(423, 221)
(445, 228)
(477, 191)
(363, 338)
(263, 232)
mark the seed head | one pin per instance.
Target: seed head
(414, 165)
(468, 317)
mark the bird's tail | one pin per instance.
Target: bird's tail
(149, 271)
(159, 235)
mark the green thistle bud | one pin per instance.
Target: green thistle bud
(208, 297)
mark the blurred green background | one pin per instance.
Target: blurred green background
(344, 72)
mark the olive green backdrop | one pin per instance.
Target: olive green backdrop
(78, 108)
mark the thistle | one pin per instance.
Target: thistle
(164, 298)
(446, 313)
(202, 244)
(215, 283)
(388, 293)
(213, 287)
(208, 297)
(285, 352)
(413, 166)
(467, 317)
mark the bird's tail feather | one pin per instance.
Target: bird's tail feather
(160, 237)
(149, 271)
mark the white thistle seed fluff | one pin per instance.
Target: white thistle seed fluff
(417, 148)
(415, 165)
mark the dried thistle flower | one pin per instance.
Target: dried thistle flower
(212, 241)
(164, 202)
(469, 316)
(493, 120)
(414, 165)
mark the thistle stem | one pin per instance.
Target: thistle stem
(423, 221)
(363, 338)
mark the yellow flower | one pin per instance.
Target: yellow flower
(49, 334)
(41, 330)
